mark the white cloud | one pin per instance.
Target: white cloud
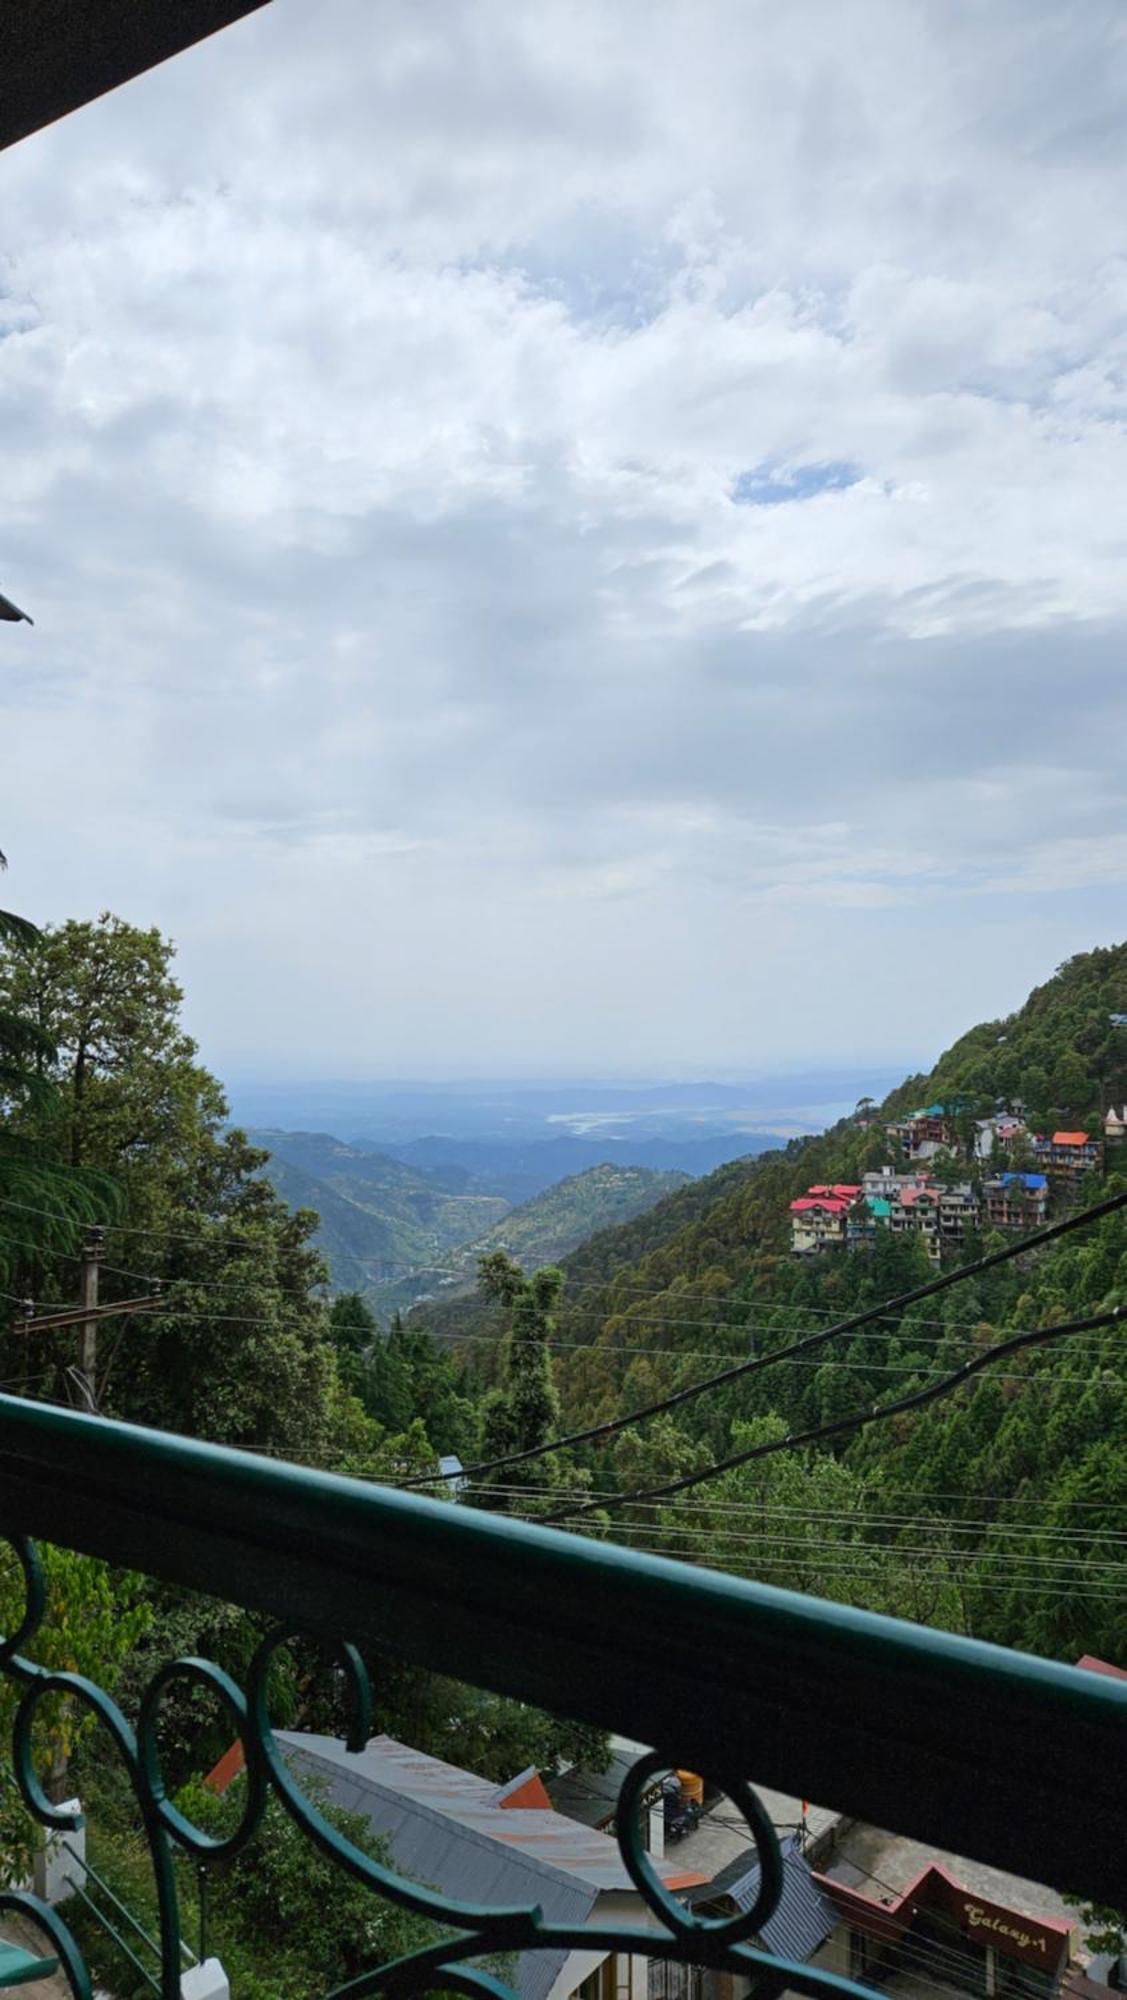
(374, 390)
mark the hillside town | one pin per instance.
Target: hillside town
(1015, 1179)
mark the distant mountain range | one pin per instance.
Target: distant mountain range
(397, 1231)
(519, 1170)
(379, 1217)
(426, 1170)
(394, 1114)
(545, 1229)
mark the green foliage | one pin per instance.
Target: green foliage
(554, 1222)
(995, 1512)
(1105, 1930)
(281, 1917)
(523, 1413)
(490, 1734)
(406, 1377)
(44, 1205)
(94, 1618)
(378, 1216)
(242, 1352)
(1059, 1053)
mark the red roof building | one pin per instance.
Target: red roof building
(817, 1218)
(995, 1942)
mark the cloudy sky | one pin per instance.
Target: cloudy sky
(585, 536)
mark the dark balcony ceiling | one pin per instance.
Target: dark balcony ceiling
(58, 54)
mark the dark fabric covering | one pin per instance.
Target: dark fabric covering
(58, 54)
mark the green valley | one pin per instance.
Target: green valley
(395, 1232)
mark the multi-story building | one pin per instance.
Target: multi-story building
(941, 1215)
(879, 1189)
(826, 1218)
(1016, 1201)
(929, 1132)
(885, 1182)
(818, 1218)
(959, 1211)
(992, 1134)
(863, 1218)
(1068, 1154)
(914, 1211)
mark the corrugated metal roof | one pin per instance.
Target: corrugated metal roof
(447, 1830)
(592, 1796)
(804, 1917)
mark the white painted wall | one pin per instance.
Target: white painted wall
(56, 1871)
(205, 1982)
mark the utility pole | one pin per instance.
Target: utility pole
(92, 1252)
(86, 1315)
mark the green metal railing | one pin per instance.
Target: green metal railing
(999, 1756)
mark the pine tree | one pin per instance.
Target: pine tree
(524, 1413)
(43, 1206)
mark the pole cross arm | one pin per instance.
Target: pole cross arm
(82, 1315)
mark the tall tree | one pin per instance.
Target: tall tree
(524, 1412)
(43, 1207)
(241, 1353)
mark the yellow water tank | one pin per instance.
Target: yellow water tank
(692, 1787)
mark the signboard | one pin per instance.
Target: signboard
(1033, 1940)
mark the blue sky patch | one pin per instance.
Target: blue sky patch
(770, 486)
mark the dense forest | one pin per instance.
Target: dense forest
(108, 1118)
(395, 1231)
(996, 1510)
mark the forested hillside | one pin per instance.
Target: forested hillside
(394, 1231)
(1000, 1510)
(1061, 1054)
(997, 1510)
(547, 1228)
(378, 1218)
(108, 1118)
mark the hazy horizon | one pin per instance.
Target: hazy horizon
(521, 1112)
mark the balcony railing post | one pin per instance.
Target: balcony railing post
(53, 1873)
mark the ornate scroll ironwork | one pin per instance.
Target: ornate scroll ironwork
(471, 1932)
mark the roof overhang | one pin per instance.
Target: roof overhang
(56, 55)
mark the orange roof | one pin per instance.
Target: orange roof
(228, 1767)
(1071, 1139)
(524, 1793)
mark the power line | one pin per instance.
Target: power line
(840, 1425)
(848, 1516)
(823, 1570)
(865, 1317)
(161, 1235)
(850, 1569)
(1019, 1564)
(568, 1310)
